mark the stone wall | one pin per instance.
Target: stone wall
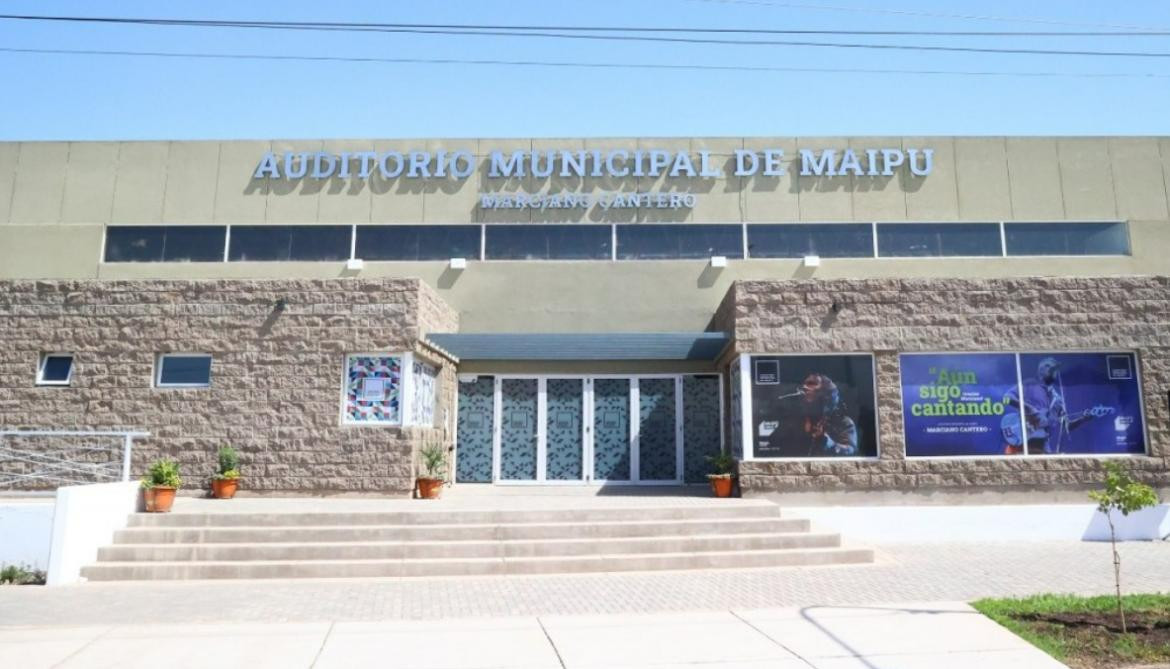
(276, 372)
(892, 316)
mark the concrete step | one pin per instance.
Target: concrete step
(114, 571)
(453, 517)
(458, 532)
(396, 550)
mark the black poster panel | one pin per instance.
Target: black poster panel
(813, 406)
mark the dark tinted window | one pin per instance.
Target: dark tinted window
(202, 243)
(898, 240)
(56, 369)
(290, 242)
(417, 242)
(135, 243)
(846, 240)
(165, 243)
(548, 242)
(184, 370)
(653, 241)
(1066, 239)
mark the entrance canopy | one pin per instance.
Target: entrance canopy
(592, 346)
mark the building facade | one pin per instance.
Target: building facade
(841, 314)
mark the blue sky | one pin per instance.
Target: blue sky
(108, 97)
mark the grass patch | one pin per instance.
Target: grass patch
(1085, 632)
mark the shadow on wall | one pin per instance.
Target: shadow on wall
(448, 278)
(709, 276)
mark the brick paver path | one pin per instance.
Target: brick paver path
(902, 573)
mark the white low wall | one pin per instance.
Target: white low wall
(26, 528)
(85, 519)
(1014, 522)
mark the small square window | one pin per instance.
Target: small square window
(56, 369)
(183, 370)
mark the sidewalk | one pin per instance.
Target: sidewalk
(902, 573)
(906, 636)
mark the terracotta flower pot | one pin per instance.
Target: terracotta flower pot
(164, 498)
(224, 488)
(429, 488)
(720, 485)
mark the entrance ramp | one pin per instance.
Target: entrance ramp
(471, 531)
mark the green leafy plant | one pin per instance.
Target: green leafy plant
(21, 575)
(229, 464)
(434, 460)
(1124, 495)
(722, 464)
(162, 474)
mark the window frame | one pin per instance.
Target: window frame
(405, 389)
(43, 362)
(374, 228)
(760, 225)
(738, 254)
(158, 370)
(165, 229)
(996, 225)
(1124, 223)
(486, 254)
(291, 229)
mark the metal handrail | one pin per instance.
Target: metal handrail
(128, 438)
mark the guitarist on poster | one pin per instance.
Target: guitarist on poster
(1045, 412)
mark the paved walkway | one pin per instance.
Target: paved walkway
(903, 573)
(910, 636)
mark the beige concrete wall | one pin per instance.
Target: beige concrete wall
(974, 178)
(55, 198)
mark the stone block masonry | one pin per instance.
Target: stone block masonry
(892, 316)
(276, 372)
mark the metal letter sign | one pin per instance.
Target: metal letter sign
(615, 163)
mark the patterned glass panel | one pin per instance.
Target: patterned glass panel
(611, 429)
(422, 404)
(474, 452)
(564, 459)
(656, 437)
(736, 409)
(700, 425)
(373, 388)
(518, 399)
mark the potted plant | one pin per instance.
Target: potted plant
(720, 476)
(226, 479)
(159, 485)
(434, 465)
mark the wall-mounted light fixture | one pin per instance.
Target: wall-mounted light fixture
(458, 263)
(355, 264)
(812, 261)
(279, 304)
(719, 261)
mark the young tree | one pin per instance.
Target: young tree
(1125, 495)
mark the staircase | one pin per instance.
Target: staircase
(442, 542)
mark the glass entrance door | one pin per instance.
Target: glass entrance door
(519, 435)
(611, 430)
(658, 428)
(476, 420)
(563, 429)
(564, 433)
